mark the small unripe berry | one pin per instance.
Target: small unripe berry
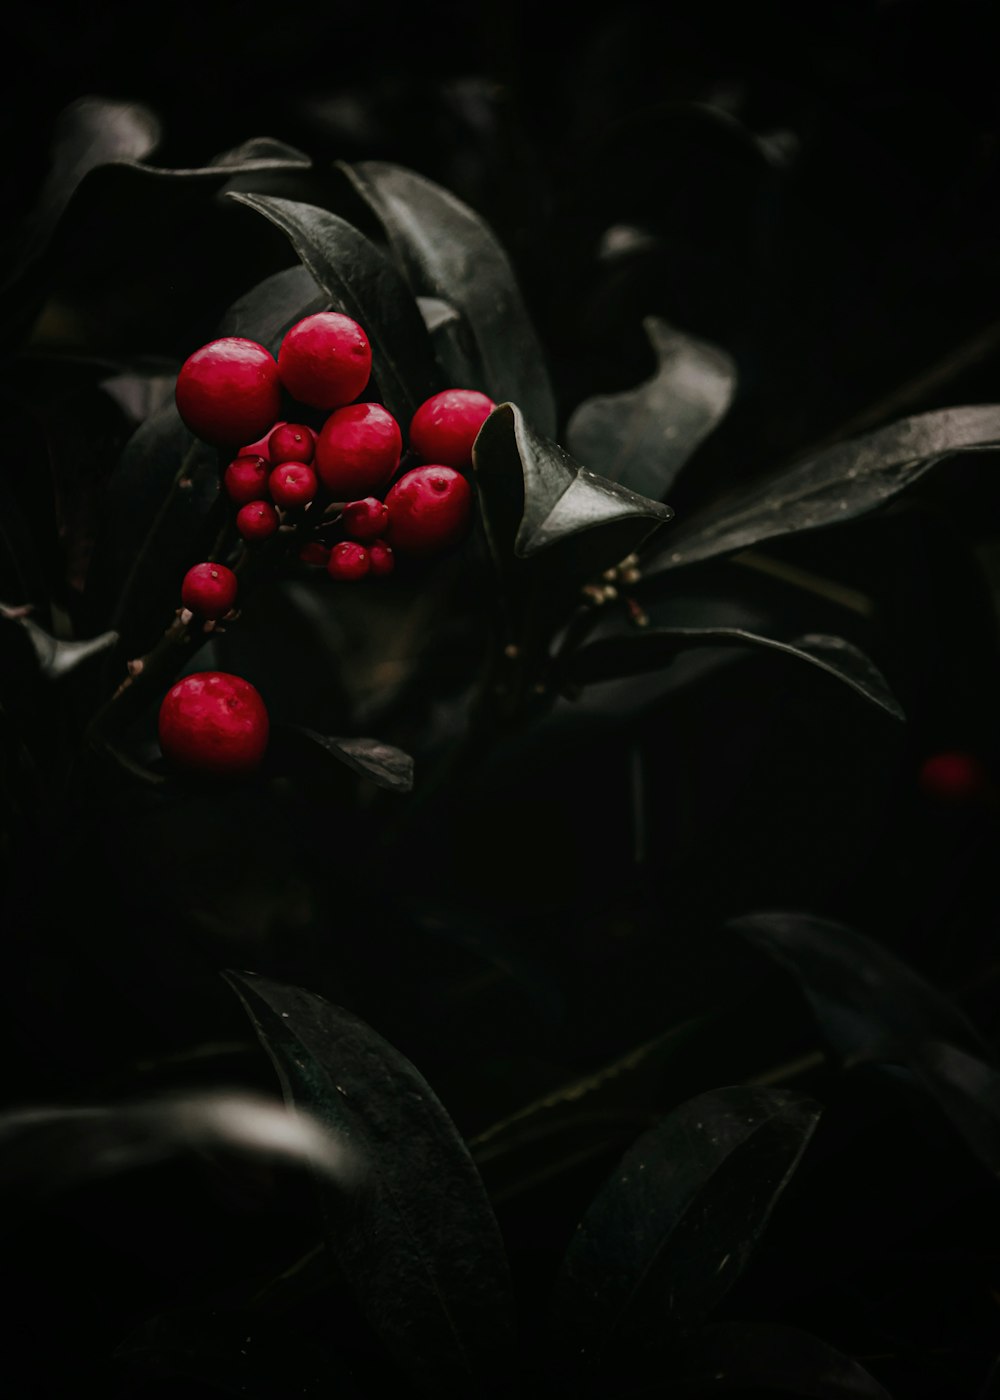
(381, 559)
(213, 722)
(209, 590)
(365, 520)
(325, 360)
(358, 450)
(245, 480)
(316, 553)
(257, 521)
(445, 426)
(228, 391)
(293, 484)
(348, 561)
(291, 442)
(429, 509)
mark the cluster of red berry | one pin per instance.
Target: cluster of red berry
(341, 475)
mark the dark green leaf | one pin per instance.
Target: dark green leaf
(765, 1355)
(272, 307)
(840, 484)
(56, 658)
(359, 282)
(964, 1087)
(861, 995)
(651, 648)
(383, 764)
(418, 1241)
(50, 1149)
(447, 251)
(643, 437)
(535, 498)
(677, 1222)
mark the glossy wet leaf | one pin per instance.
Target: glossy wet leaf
(643, 437)
(861, 994)
(677, 1221)
(271, 308)
(361, 283)
(768, 1356)
(537, 500)
(383, 764)
(649, 649)
(840, 484)
(447, 251)
(418, 1240)
(50, 1149)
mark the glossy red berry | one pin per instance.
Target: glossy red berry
(291, 442)
(293, 484)
(215, 723)
(257, 521)
(381, 559)
(325, 360)
(445, 426)
(209, 590)
(313, 552)
(953, 776)
(429, 509)
(365, 520)
(348, 561)
(245, 480)
(358, 450)
(228, 391)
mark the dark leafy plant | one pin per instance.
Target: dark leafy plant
(580, 1219)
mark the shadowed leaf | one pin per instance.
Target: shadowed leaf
(840, 484)
(359, 282)
(271, 308)
(447, 251)
(418, 1241)
(678, 1220)
(861, 995)
(643, 437)
(649, 649)
(765, 1355)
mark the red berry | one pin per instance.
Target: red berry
(952, 776)
(293, 484)
(429, 509)
(260, 448)
(357, 451)
(209, 590)
(228, 391)
(365, 520)
(313, 552)
(348, 561)
(257, 520)
(380, 558)
(325, 360)
(213, 722)
(445, 426)
(291, 442)
(245, 480)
